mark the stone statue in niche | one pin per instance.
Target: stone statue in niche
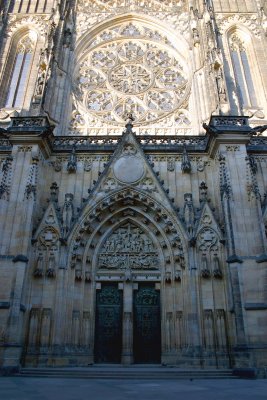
(67, 214)
(72, 162)
(40, 83)
(128, 248)
(221, 86)
(39, 268)
(67, 37)
(171, 164)
(57, 165)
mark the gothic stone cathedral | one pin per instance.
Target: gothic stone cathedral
(133, 183)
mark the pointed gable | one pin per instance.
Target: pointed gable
(128, 167)
(208, 220)
(49, 220)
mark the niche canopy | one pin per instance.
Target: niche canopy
(131, 67)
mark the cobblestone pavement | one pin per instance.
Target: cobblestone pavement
(13, 388)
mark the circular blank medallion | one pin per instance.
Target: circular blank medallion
(128, 169)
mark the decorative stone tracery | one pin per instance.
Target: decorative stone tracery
(121, 5)
(131, 68)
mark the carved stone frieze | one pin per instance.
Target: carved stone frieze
(29, 122)
(90, 142)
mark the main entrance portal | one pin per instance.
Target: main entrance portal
(143, 335)
(108, 328)
(147, 327)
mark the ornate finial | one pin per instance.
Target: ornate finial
(129, 122)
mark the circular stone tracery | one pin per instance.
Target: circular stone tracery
(147, 78)
(130, 78)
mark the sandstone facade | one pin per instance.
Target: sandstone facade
(133, 183)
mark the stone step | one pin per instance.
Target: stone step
(126, 373)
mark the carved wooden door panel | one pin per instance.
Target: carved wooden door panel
(108, 327)
(147, 327)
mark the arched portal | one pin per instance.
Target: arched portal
(128, 314)
(133, 252)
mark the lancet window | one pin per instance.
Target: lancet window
(20, 72)
(242, 71)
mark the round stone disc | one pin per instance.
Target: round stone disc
(128, 169)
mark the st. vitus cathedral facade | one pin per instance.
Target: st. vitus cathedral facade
(133, 183)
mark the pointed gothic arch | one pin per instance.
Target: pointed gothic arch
(21, 65)
(97, 223)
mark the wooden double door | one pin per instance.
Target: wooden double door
(109, 329)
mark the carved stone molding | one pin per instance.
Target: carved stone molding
(111, 210)
(39, 22)
(92, 12)
(251, 21)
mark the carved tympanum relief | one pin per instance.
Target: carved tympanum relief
(128, 248)
(131, 68)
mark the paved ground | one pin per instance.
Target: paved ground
(12, 388)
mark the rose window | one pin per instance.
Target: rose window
(131, 73)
